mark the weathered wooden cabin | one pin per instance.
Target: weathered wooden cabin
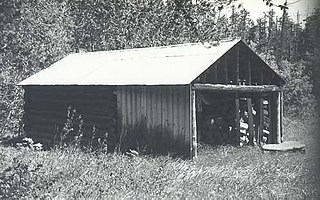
(171, 96)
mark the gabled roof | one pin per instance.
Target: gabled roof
(168, 65)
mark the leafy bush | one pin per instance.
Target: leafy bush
(18, 181)
(298, 97)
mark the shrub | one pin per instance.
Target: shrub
(72, 130)
(72, 134)
(298, 97)
(17, 180)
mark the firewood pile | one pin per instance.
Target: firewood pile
(244, 127)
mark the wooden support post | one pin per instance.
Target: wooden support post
(249, 104)
(261, 115)
(256, 120)
(261, 121)
(270, 115)
(193, 124)
(237, 120)
(281, 116)
(250, 121)
(278, 118)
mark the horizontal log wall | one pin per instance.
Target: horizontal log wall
(164, 112)
(46, 109)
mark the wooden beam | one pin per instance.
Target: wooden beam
(193, 124)
(237, 126)
(236, 88)
(250, 121)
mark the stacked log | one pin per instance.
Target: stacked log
(266, 122)
(244, 129)
(244, 134)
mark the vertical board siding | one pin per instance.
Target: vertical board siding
(164, 109)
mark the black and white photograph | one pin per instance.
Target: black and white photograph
(159, 99)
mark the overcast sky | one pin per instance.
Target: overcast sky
(257, 7)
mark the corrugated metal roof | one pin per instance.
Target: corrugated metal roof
(169, 65)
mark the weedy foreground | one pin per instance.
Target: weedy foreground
(218, 172)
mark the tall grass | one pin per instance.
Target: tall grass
(218, 172)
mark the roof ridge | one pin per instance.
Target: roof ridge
(211, 43)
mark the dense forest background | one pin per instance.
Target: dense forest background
(36, 33)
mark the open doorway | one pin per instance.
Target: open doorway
(218, 122)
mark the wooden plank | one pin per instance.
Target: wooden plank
(133, 94)
(119, 110)
(38, 135)
(186, 114)
(175, 115)
(123, 107)
(156, 107)
(285, 146)
(237, 121)
(148, 106)
(159, 110)
(170, 111)
(250, 121)
(237, 88)
(74, 94)
(237, 66)
(164, 107)
(86, 107)
(215, 73)
(181, 117)
(144, 103)
(226, 78)
(193, 124)
(51, 88)
(144, 109)
(131, 103)
(127, 106)
(249, 77)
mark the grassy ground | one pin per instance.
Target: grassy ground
(222, 172)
